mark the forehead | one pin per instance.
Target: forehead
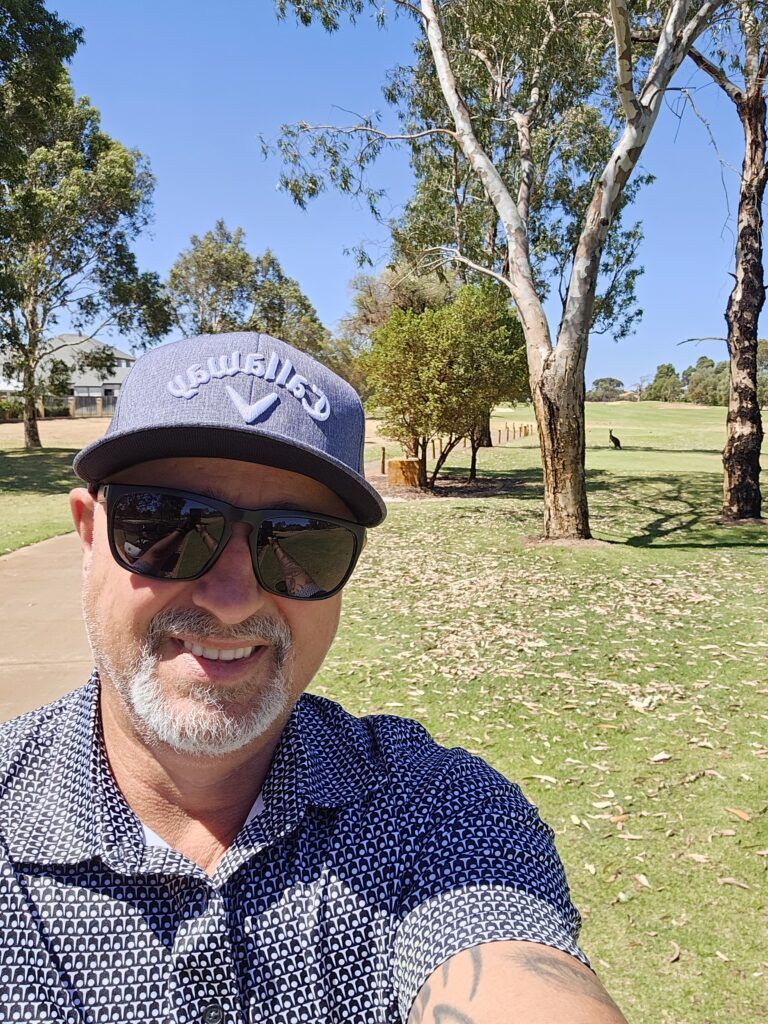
(247, 484)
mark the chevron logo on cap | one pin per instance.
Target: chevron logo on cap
(251, 412)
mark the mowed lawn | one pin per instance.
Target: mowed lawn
(622, 684)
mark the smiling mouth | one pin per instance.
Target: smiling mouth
(219, 653)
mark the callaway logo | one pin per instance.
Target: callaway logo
(188, 384)
(251, 413)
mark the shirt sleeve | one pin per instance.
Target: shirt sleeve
(483, 872)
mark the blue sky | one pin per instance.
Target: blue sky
(193, 85)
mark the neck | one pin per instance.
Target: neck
(195, 803)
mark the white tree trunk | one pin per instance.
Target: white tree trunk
(557, 372)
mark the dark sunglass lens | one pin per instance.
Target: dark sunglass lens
(304, 557)
(165, 536)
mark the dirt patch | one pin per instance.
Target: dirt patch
(57, 433)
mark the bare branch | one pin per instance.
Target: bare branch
(367, 129)
(449, 255)
(717, 75)
(709, 337)
(622, 41)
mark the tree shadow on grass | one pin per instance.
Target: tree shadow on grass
(660, 451)
(669, 512)
(661, 511)
(41, 471)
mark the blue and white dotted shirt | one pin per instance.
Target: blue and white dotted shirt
(377, 855)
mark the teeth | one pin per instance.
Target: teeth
(217, 654)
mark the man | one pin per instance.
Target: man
(189, 838)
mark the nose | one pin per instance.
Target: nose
(229, 589)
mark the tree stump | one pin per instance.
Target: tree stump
(403, 472)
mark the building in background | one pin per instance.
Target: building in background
(88, 385)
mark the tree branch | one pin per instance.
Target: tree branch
(358, 129)
(622, 41)
(717, 75)
(521, 283)
(700, 22)
(447, 254)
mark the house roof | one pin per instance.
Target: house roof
(69, 346)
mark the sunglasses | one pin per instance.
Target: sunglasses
(165, 534)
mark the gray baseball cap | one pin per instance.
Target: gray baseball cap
(241, 396)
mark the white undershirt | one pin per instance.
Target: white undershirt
(153, 839)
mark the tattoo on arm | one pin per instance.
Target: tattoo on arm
(568, 976)
(444, 1014)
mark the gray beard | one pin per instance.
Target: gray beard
(212, 722)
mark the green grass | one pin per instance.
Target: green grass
(622, 684)
(33, 486)
(571, 668)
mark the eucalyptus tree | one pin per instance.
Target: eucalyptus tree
(217, 285)
(67, 219)
(34, 45)
(735, 57)
(547, 62)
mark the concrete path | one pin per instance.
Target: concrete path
(43, 648)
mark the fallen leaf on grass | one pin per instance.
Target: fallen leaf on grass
(699, 858)
(742, 815)
(642, 881)
(661, 756)
(732, 881)
(675, 954)
(722, 956)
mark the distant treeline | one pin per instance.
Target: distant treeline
(704, 383)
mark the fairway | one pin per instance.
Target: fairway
(622, 683)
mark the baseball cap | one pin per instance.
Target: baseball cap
(243, 396)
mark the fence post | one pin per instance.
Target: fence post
(99, 406)
(433, 448)
(383, 460)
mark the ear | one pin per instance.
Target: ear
(82, 504)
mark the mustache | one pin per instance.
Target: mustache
(253, 631)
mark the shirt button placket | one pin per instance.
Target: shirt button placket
(203, 986)
(212, 1014)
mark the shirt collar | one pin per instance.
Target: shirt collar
(59, 802)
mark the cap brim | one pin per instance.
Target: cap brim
(115, 452)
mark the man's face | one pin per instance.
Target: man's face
(141, 630)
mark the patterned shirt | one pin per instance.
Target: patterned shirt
(376, 856)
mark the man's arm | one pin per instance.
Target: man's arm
(513, 983)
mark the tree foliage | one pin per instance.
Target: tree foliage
(550, 105)
(704, 383)
(34, 44)
(437, 372)
(67, 221)
(665, 386)
(217, 285)
(605, 389)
